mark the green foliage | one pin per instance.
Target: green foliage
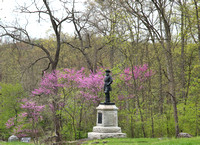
(10, 96)
(75, 115)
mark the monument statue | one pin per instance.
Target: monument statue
(107, 118)
(107, 86)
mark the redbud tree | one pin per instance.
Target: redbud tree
(65, 89)
(71, 91)
(28, 120)
(131, 81)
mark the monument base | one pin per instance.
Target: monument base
(101, 129)
(97, 135)
(107, 123)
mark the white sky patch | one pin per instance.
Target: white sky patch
(37, 28)
(6, 9)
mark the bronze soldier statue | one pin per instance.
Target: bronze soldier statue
(107, 86)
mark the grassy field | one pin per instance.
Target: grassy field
(14, 143)
(130, 141)
(145, 141)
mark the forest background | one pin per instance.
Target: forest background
(152, 48)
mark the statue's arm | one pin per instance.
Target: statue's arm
(110, 82)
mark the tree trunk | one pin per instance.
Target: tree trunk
(182, 5)
(197, 117)
(132, 127)
(57, 122)
(169, 60)
(161, 100)
(141, 116)
(112, 57)
(198, 24)
(172, 85)
(95, 60)
(152, 124)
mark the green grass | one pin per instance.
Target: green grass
(145, 141)
(130, 141)
(15, 143)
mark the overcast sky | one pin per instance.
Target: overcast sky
(8, 15)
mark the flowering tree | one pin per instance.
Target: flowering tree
(132, 80)
(89, 86)
(132, 85)
(27, 120)
(70, 84)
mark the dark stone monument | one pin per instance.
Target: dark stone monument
(107, 86)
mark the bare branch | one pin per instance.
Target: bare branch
(37, 61)
(46, 69)
(18, 38)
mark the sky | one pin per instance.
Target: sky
(9, 15)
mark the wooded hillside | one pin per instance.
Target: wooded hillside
(152, 48)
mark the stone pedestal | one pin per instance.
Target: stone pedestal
(107, 123)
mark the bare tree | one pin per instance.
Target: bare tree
(18, 33)
(84, 34)
(161, 8)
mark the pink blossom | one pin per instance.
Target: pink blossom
(10, 122)
(71, 78)
(32, 110)
(140, 73)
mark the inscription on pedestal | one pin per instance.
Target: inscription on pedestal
(100, 118)
(110, 119)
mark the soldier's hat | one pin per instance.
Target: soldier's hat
(107, 71)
